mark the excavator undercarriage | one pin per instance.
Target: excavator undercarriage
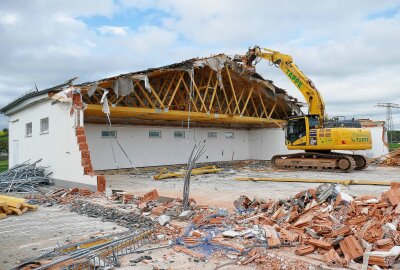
(320, 161)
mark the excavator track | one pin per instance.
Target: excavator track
(320, 161)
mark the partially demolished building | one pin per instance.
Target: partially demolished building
(149, 118)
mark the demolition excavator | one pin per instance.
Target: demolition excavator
(312, 132)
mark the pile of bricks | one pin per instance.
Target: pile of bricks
(59, 196)
(322, 224)
(338, 230)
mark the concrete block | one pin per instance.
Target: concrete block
(185, 215)
(163, 220)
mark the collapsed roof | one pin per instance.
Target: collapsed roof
(214, 89)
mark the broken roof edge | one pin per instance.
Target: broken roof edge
(189, 63)
(31, 94)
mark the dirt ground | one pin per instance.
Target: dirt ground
(35, 232)
(221, 189)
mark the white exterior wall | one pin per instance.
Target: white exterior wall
(145, 151)
(58, 149)
(378, 145)
(265, 143)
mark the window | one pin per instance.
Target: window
(212, 135)
(109, 134)
(155, 134)
(28, 129)
(229, 135)
(179, 134)
(44, 125)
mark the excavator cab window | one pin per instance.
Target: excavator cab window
(313, 121)
(296, 129)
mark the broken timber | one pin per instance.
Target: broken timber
(202, 170)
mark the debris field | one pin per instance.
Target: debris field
(317, 227)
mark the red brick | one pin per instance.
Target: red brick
(85, 154)
(101, 183)
(304, 250)
(86, 161)
(219, 241)
(393, 196)
(81, 139)
(351, 247)
(319, 243)
(395, 185)
(189, 252)
(150, 196)
(332, 259)
(79, 131)
(87, 169)
(83, 146)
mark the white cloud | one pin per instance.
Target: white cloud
(113, 30)
(352, 60)
(8, 19)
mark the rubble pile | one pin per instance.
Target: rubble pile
(393, 159)
(318, 226)
(123, 218)
(322, 224)
(59, 196)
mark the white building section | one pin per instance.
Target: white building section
(39, 129)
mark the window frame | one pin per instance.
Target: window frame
(109, 134)
(212, 137)
(179, 137)
(155, 137)
(26, 129)
(41, 125)
(229, 137)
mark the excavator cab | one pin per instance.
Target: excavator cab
(298, 128)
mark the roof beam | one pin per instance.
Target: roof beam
(174, 115)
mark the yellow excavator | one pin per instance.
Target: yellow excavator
(312, 132)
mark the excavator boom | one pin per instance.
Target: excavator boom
(308, 132)
(307, 88)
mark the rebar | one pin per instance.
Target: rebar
(24, 177)
(197, 151)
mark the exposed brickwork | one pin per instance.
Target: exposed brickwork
(101, 183)
(86, 161)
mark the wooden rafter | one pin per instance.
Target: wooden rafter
(230, 94)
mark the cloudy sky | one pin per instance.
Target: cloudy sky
(350, 49)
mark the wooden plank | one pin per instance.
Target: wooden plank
(190, 96)
(232, 88)
(198, 94)
(147, 96)
(213, 95)
(176, 89)
(16, 211)
(30, 206)
(247, 100)
(152, 114)
(272, 110)
(169, 87)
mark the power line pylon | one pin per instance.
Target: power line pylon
(389, 117)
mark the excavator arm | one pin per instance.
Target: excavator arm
(315, 102)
